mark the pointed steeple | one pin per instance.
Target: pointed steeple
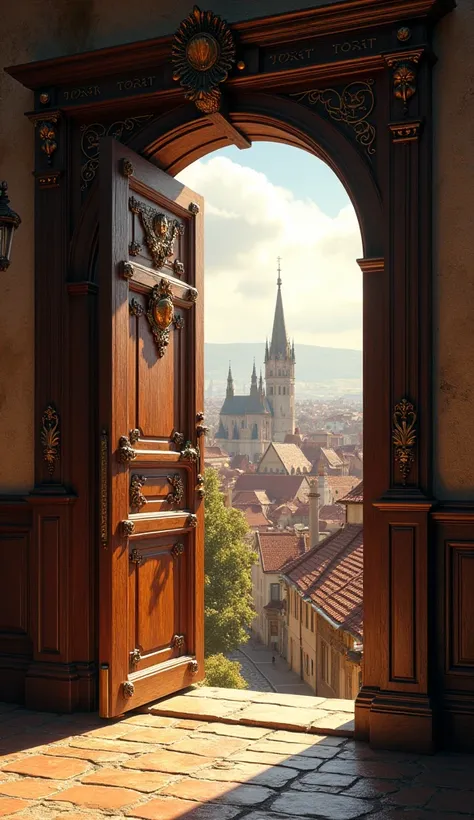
(253, 382)
(279, 343)
(260, 384)
(230, 384)
(267, 352)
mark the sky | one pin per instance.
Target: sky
(268, 201)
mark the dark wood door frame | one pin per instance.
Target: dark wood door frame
(350, 83)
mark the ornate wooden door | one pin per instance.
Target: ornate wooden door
(151, 582)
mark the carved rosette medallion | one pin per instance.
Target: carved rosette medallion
(352, 106)
(136, 557)
(177, 438)
(404, 437)
(50, 437)
(128, 689)
(203, 53)
(137, 499)
(125, 451)
(177, 549)
(126, 270)
(126, 168)
(134, 248)
(128, 528)
(191, 521)
(190, 453)
(177, 494)
(404, 75)
(160, 315)
(177, 641)
(135, 657)
(193, 667)
(160, 231)
(192, 295)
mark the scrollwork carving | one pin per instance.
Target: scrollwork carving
(160, 231)
(137, 499)
(351, 106)
(50, 437)
(177, 641)
(93, 133)
(404, 437)
(177, 494)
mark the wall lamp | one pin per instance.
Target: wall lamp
(9, 222)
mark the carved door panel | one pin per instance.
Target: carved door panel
(151, 584)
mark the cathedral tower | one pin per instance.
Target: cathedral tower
(280, 373)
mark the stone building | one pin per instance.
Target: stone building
(249, 423)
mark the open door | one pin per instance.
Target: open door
(151, 527)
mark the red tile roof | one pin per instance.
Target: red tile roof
(340, 485)
(332, 512)
(255, 516)
(279, 488)
(354, 496)
(215, 452)
(331, 576)
(245, 497)
(278, 548)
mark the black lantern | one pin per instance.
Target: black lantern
(9, 222)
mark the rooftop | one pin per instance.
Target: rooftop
(354, 496)
(291, 457)
(277, 548)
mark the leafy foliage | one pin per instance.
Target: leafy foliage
(228, 563)
(220, 671)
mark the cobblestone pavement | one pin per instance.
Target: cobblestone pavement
(251, 673)
(77, 767)
(278, 674)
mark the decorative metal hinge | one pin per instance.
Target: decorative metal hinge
(177, 549)
(191, 520)
(201, 430)
(177, 438)
(200, 486)
(128, 528)
(404, 436)
(178, 268)
(190, 453)
(128, 689)
(176, 496)
(126, 168)
(137, 499)
(135, 657)
(136, 557)
(126, 271)
(177, 642)
(125, 452)
(193, 667)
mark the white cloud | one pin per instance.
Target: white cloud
(249, 222)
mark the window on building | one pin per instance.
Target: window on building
(296, 606)
(324, 654)
(312, 620)
(274, 592)
(306, 664)
(306, 616)
(279, 391)
(312, 667)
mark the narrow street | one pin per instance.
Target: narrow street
(262, 675)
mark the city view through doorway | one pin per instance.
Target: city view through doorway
(283, 406)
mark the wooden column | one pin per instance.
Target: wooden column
(54, 575)
(394, 708)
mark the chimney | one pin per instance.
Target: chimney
(323, 485)
(313, 499)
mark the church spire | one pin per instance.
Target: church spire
(230, 384)
(253, 383)
(279, 342)
(260, 384)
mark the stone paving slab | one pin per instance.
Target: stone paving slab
(157, 767)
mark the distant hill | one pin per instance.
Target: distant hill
(313, 364)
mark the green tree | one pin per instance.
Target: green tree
(220, 671)
(228, 562)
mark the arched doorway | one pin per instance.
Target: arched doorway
(384, 163)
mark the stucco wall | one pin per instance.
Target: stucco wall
(453, 243)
